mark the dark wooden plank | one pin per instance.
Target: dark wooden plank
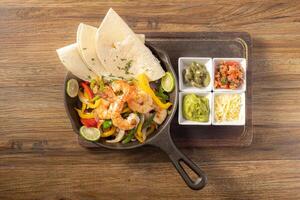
(128, 180)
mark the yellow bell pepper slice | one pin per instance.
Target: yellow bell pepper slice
(143, 83)
(83, 107)
(85, 115)
(139, 138)
(139, 131)
(93, 83)
(110, 132)
(95, 105)
(139, 127)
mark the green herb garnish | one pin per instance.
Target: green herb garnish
(127, 67)
(224, 80)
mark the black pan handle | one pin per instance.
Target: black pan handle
(165, 142)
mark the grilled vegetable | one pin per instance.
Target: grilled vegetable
(88, 90)
(144, 85)
(140, 125)
(110, 132)
(129, 136)
(89, 122)
(107, 124)
(118, 137)
(95, 105)
(84, 115)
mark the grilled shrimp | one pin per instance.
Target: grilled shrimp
(160, 114)
(116, 108)
(140, 102)
(108, 94)
(124, 124)
(120, 86)
(104, 110)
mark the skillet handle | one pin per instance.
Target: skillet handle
(178, 158)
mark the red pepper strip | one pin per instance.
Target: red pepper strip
(88, 90)
(89, 122)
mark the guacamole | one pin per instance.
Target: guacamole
(196, 108)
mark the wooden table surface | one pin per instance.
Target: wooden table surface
(39, 154)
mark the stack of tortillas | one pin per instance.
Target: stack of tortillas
(112, 50)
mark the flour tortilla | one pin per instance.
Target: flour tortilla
(86, 48)
(86, 40)
(118, 48)
(71, 59)
(141, 37)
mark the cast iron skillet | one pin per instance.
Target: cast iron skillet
(161, 139)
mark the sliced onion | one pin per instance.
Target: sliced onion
(147, 133)
(118, 137)
(144, 130)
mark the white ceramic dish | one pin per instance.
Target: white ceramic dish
(243, 64)
(182, 120)
(183, 62)
(242, 114)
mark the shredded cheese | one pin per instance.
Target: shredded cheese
(227, 107)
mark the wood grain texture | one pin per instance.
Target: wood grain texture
(40, 157)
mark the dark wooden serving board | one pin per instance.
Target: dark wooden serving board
(206, 44)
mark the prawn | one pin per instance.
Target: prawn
(108, 94)
(125, 124)
(122, 87)
(140, 102)
(104, 110)
(160, 114)
(116, 108)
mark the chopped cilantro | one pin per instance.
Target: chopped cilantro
(127, 67)
(224, 80)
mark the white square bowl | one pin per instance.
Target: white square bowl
(242, 115)
(243, 64)
(182, 120)
(183, 62)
